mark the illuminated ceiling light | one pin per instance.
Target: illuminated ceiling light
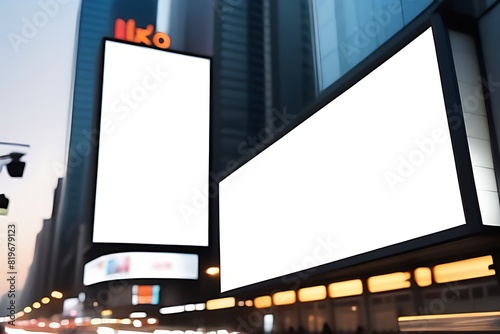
(449, 316)
(105, 321)
(284, 298)
(241, 303)
(249, 303)
(54, 325)
(105, 330)
(152, 321)
(172, 309)
(312, 294)
(263, 302)
(423, 276)
(137, 323)
(454, 322)
(41, 324)
(222, 331)
(19, 314)
(354, 308)
(138, 315)
(82, 297)
(189, 307)
(56, 294)
(125, 321)
(37, 305)
(345, 288)
(27, 309)
(462, 270)
(106, 313)
(45, 300)
(114, 321)
(65, 322)
(95, 321)
(388, 282)
(82, 321)
(162, 331)
(220, 303)
(212, 271)
(199, 306)
(95, 304)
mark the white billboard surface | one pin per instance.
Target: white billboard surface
(372, 168)
(153, 159)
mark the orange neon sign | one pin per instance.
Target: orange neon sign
(128, 31)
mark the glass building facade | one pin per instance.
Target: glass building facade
(346, 32)
(276, 57)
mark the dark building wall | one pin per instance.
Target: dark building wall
(96, 22)
(263, 51)
(191, 26)
(294, 53)
(231, 44)
(490, 50)
(38, 284)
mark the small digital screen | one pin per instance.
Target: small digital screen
(141, 265)
(145, 294)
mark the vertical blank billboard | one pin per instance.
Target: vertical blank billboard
(372, 168)
(153, 157)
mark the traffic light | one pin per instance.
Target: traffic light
(4, 205)
(15, 168)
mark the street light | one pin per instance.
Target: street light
(15, 167)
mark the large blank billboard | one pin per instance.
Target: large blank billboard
(372, 168)
(153, 157)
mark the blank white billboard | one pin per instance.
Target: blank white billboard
(153, 159)
(372, 168)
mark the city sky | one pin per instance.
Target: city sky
(37, 56)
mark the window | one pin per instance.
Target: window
(347, 31)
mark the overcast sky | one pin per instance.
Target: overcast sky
(37, 56)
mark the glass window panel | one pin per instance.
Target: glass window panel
(347, 31)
